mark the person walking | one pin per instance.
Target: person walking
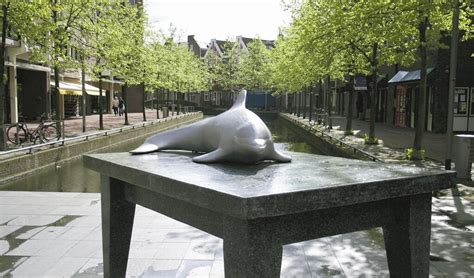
(115, 105)
(121, 106)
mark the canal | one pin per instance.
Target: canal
(73, 177)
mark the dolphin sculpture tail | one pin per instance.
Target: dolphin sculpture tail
(240, 100)
(186, 137)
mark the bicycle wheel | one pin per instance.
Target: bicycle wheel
(50, 132)
(16, 134)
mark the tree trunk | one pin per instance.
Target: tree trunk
(329, 102)
(157, 105)
(373, 94)
(178, 102)
(125, 100)
(420, 123)
(350, 108)
(310, 103)
(292, 107)
(101, 116)
(304, 102)
(3, 139)
(56, 76)
(59, 115)
(143, 95)
(298, 105)
(452, 84)
(84, 98)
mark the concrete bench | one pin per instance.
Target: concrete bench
(256, 209)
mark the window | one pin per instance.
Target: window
(460, 100)
(206, 96)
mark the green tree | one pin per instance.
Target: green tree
(254, 69)
(15, 14)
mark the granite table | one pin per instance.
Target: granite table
(256, 209)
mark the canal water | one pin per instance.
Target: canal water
(73, 177)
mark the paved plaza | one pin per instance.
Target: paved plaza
(46, 234)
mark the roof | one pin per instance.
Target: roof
(194, 46)
(221, 45)
(268, 43)
(407, 76)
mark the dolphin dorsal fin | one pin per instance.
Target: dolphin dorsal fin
(240, 101)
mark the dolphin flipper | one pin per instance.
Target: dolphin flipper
(145, 148)
(278, 156)
(214, 156)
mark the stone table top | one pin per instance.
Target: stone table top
(309, 182)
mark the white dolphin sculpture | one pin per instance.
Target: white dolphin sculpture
(237, 135)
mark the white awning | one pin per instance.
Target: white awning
(67, 88)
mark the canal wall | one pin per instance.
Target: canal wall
(323, 142)
(25, 164)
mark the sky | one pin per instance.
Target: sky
(218, 19)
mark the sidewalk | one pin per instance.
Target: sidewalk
(73, 125)
(398, 138)
(57, 234)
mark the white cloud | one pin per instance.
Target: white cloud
(220, 19)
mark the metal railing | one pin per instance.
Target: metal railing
(333, 140)
(86, 137)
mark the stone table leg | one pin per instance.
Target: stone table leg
(249, 250)
(407, 236)
(117, 224)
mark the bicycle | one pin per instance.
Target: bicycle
(19, 133)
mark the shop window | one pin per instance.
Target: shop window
(460, 101)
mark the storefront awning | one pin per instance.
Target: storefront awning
(407, 76)
(67, 88)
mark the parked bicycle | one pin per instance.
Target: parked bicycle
(19, 133)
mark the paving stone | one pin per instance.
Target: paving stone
(76, 233)
(143, 249)
(95, 235)
(66, 267)
(93, 268)
(29, 248)
(85, 249)
(150, 235)
(51, 233)
(453, 269)
(86, 221)
(171, 251)
(34, 266)
(5, 218)
(56, 248)
(217, 270)
(162, 268)
(136, 267)
(34, 220)
(295, 267)
(201, 251)
(6, 230)
(4, 247)
(193, 268)
(30, 232)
